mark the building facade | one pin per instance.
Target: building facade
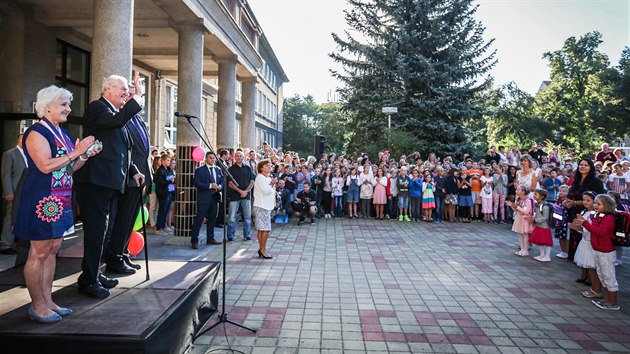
(207, 58)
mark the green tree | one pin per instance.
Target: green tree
(426, 57)
(304, 118)
(299, 125)
(583, 103)
(509, 117)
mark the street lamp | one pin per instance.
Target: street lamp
(389, 111)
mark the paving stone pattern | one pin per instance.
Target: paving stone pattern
(357, 286)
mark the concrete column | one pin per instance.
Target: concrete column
(12, 29)
(190, 75)
(112, 44)
(226, 110)
(248, 114)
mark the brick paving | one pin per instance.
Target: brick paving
(357, 286)
(368, 286)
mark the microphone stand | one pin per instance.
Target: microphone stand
(223, 317)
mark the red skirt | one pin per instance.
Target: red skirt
(541, 237)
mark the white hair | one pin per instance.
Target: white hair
(48, 96)
(113, 80)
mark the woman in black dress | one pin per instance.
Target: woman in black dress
(585, 180)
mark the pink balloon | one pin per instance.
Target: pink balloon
(198, 154)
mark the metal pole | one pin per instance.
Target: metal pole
(389, 128)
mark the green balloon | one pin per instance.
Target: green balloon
(137, 225)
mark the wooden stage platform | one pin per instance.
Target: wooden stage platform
(161, 315)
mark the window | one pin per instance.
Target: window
(170, 129)
(145, 93)
(239, 91)
(237, 133)
(72, 71)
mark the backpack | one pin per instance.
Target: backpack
(557, 216)
(622, 229)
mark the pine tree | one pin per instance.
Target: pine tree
(426, 57)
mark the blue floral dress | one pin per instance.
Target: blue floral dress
(45, 209)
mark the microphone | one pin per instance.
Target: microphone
(180, 114)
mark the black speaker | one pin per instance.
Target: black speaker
(319, 146)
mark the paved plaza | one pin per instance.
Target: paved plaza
(357, 286)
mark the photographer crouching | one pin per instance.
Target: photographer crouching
(305, 203)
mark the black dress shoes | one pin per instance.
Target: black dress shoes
(106, 282)
(120, 269)
(94, 290)
(131, 264)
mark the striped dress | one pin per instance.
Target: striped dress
(428, 199)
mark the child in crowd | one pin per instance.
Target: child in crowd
(552, 186)
(415, 194)
(523, 220)
(367, 183)
(392, 194)
(562, 233)
(337, 192)
(428, 198)
(541, 236)
(465, 200)
(440, 193)
(451, 194)
(403, 183)
(353, 193)
(380, 193)
(584, 255)
(486, 195)
(499, 193)
(602, 229)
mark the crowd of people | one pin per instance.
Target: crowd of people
(113, 168)
(516, 187)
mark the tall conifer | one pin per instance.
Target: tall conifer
(426, 57)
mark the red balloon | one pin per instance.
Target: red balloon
(198, 154)
(136, 243)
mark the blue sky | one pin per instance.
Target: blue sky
(300, 34)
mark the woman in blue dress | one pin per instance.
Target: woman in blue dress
(44, 215)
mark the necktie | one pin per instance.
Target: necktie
(214, 176)
(136, 123)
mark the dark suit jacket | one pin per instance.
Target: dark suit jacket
(13, 167)
(139, 153)
(108, 169)
(202, 180)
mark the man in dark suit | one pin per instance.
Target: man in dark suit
(116, 255)
(209, 183)
(13, 166)
(103, 177)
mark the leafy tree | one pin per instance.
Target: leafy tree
(583, 103)
(426, 57)
(299, 123)
(509, 117)
(304, 118)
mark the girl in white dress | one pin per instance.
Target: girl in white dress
(584, 255)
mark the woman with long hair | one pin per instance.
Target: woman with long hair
(585, 180)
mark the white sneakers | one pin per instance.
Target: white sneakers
(562, 255)
(618, 262)
(542, 258)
